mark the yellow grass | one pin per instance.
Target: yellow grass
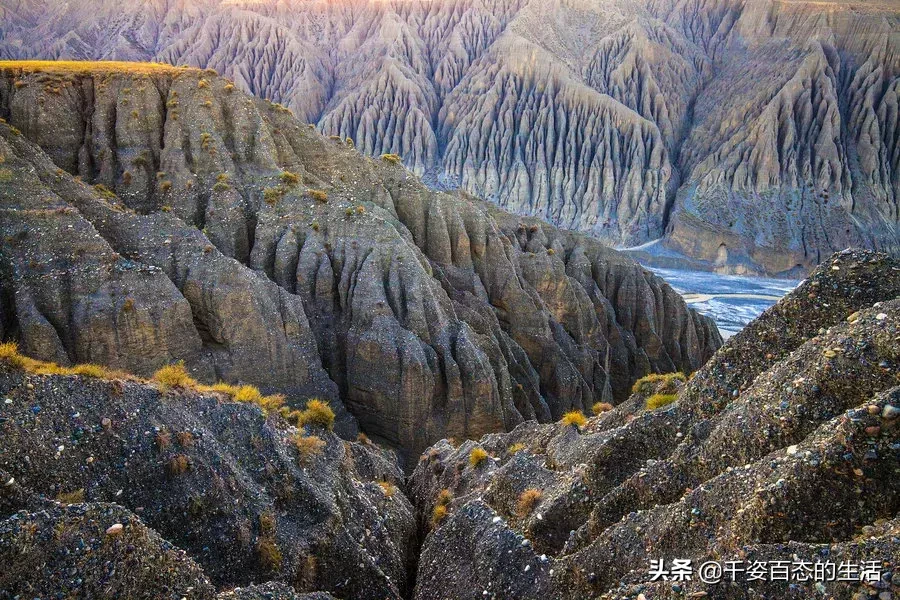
(81, 67)
(574, 417)
(174, 376)
(659, 400)
(527, 501)
(308, 446)
(601, 407)
(477, 456)
(317, 413)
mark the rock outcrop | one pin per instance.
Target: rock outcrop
(220, 231)
(752, 136)
(783, 447)
(218, 479)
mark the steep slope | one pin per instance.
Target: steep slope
(753, 135)
(222, 232)
(247, 496)
(783, 447)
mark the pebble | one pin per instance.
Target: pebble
(115, 529)
(105, 422)
(890, 412)
(881, 316)
(873, 409)
(792, 450)
(873, 431)
(11, 481)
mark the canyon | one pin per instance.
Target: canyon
(750, 136)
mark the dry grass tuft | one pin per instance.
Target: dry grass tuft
(391, 158)
(574, 417)
(318, 195)
(527, 501)
(517, 447)
(73, 497)
(477, 456)
(174, 376)
(601, 407)
(178, 464)
(661, 382)
(659, 400)
(308, 446)
(318, 414)
(269, 554)
(388, 488)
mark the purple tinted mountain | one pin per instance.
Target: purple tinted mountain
(154, 214)
(752, 135)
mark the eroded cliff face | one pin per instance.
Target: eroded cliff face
(782, 447)
(753, 136)
(154, 214)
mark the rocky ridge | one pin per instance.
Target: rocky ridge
(752, 136)
(783, 447)
(154, 214)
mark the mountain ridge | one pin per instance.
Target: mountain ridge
(694, 122)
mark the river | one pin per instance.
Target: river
(731, 300)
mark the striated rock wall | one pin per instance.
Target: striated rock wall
(753, 136)
(782, 447)
(223, 232)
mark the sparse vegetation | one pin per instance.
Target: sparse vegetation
(394, 159)
(73, 497)
(288, 178)
(574, 417)
(269, 554)
(528, 500)
(441, 507)
(517, 447)
(317, 413)
(9, 353)
(601, 407)
(363, 439)
(165, 186)
(658, 382)
(163, 439)
(308, 446)
(174, 376)
(438, 514)
(477, 456)
(202, 84)
(272, 196)
(221, 186)
(104, 192)
(388, 488)
(5, 175)
(318, 195)
(659, 400)
(178, 465)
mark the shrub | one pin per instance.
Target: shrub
(349, 211)
(517, 447)
(477, 456)
(269, 554)
(221, 186)
(388, 488)
(174, 376)
(438, 514)
(317, 413)
(550, 251)
(391, 158)
(318, 195)
(202, 84)
(185, 439)
(165, 186)
(659, 400)
(308, 446)
(360, 210)
(73, 497)
(128, 305)
(288, 178)
(574, 417)
(601, 407)
(178, 464)
(527, 501)
(229, 87)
